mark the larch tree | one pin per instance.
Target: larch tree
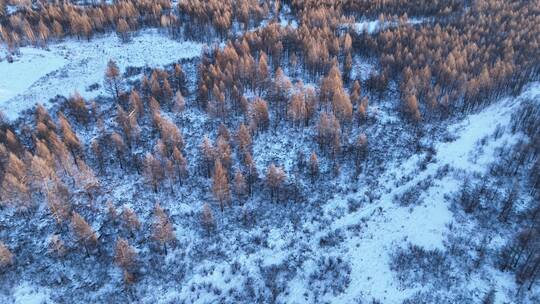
(14, 189)
(155, 87)
(361, 149)
(331, 84)
(275, 177)
(412, 107)
(362, 109)
(125, 257)
(356, 92)
(83, 231)
(70, 138)
(207, 218)
(86, 181)
(122, 28)
(131, 220)
(348, 65)
(240, 186)
(223, 132)
(113, 80)
(243, 137)
(167, 91)
(220, 185)
(341, 105)
(297, 110)
(171, 134)
(224, 151)
(179, 77)
(313, 166)
(154, 172)
(135, 104)
(58, 205)
(251, 171)
(120, 148)
(280, 93)
(43, 176)
(347, 43)
(78, 108)
(260, 118)
(262, 72)
(179, 103)
(208, 153)
(6, 257)
(328, 133)
(162, 228)
(180, 165)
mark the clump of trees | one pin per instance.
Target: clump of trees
(39, 24)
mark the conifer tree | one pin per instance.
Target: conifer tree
(275, 177)
(207, 218)
(240, 186)
(223, 151)
(180, 163)
(297, 109)
(208, 153)
(313, 166)
(125, 257)
(179, 103)
(122, 28)
(251, 171)
(120, 147)
(58, 205)
(6, 257)
(220, 186)
(260, 118)
(135, 104)
(244, 138)
(83, 231)
(131, 220)
(154, 172)
(113, 80)
(163, 230)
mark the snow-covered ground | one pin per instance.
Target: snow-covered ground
(38, 75)
(374, 26)
(32, 65)
(236, 256)
(385, 225)
(27, 294)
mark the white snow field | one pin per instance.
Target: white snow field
(37, 75)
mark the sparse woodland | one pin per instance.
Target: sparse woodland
(70, 167)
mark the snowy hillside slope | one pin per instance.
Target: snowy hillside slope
(348, 241)
(368, 228)
(386, 225)
(376, 204)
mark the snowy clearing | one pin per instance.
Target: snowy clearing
(38, 75)
(374, 26)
